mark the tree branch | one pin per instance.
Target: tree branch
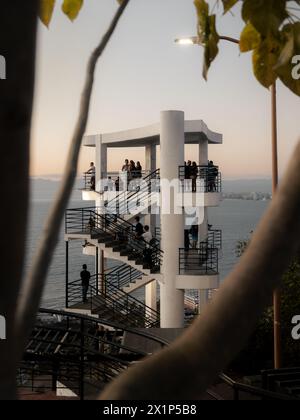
(33, 287)
(188, 367)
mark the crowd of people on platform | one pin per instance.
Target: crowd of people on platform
(132, 169)
(209, 174)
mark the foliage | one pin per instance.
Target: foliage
(71, 8)
(271, 32)
(258, 353)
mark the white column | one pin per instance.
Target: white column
(203, 228)
(151, 295)
(203, 152)
(101, 165)
(203, 300)
(101, 158)
(172, 225)
(150, 158)
(150, 166)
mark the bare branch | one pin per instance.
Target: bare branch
(190, 365)
(33, 287)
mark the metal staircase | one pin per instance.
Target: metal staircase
(79, 353)
(129, 204)
(108, 301)
(115, 236)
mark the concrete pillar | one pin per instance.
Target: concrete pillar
(150, 158)
(172, 225)
(151, 295)
(203, 228)
(101, 167)
(101, 158)
(203, 152)
(203, 300)
(150, 166)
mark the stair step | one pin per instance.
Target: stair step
(112, 244)
(119, 248)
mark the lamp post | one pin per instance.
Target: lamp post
(194, 40)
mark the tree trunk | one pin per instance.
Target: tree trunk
(17, 45)
(188, 367)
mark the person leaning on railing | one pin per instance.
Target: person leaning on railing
(92, 173)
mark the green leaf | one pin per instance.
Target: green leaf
(228, 4)
(203, 17)
(287, 71)
(71, 8)
(250, 38)
(211, 45)
(266, 16)
(207, 34)
(265, 58)
(46, 11)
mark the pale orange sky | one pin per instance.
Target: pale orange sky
(143, 72)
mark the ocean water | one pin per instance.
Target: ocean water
(236, 218)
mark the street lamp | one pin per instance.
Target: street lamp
(194, 40)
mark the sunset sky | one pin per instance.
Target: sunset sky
(143, 72)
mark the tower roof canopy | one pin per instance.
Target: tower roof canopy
(195, 131)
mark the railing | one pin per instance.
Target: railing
(112, 301)
(114, 181)
(201, 261)
(123, 276)
(77, 351)
(200, 179)
(130, 202)
(88, 221)
(239, 388)
(89, 181)
(215, 238)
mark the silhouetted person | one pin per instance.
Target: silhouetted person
(132, 170)
(125, 167)
(92, 173)
(187, 170)
(117, 184)
(212, 177)
(194, 176)
(138, 170)
(85, 282)
(139, 229)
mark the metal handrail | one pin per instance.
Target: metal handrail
(200, 179)
(258, 392)
(88, 221)
(103, 322)
(75, 350)
(116, 299)
(123, 203)
(199, 261)
(124, 275)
